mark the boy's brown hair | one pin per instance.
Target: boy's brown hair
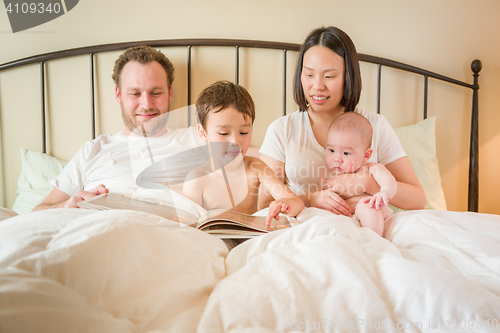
(143, 55)
(353, 121)
(220, 95)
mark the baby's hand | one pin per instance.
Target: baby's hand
(379, 200)
(275, 208)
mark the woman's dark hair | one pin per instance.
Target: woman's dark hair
(340, 43)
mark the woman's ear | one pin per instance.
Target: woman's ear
(368, 154)
(202, 133)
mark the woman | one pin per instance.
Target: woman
(327, 83)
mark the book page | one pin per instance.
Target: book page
(116, 201)
(249, 222)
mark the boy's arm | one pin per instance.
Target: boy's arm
(279, 191)
(278, 169)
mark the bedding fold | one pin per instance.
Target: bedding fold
(327, 275)
(123, 271)
(113, 271)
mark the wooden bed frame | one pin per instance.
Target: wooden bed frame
(91, 51)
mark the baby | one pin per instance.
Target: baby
(229, 179)
(347, 151)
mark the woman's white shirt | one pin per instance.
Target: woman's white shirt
(290, 139)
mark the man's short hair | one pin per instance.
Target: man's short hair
(219, 96)
(143, 55)
(353, 121)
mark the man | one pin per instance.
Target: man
(143, 77)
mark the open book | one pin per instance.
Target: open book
(220, 222)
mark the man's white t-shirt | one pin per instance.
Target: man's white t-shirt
(117, 160)
(290, 140)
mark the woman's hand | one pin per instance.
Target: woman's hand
(329, 200)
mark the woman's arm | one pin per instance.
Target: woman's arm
(410, 193)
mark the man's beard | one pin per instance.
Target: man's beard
(148, 128)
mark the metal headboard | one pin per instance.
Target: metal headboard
(473, 190)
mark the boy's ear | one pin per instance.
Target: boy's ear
(368, 154)
(201, 132)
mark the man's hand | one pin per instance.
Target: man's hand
(85, 195)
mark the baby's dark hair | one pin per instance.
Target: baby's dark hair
(219, 96)
(353, 121)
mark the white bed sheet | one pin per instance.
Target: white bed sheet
(71, 270)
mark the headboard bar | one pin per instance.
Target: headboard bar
(237, 62)
(284, 81)
(189, 84)
(426, 90)
(153, 43)
(217, 42)
(92, 97)
(473, 199)
(409, 68)
(42, 102)
(379, 86)
(237, 44)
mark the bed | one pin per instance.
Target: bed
(120, 271)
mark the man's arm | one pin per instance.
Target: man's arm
(59, 199)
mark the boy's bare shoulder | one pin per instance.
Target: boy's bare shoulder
(198, 172)
(254, 164)
(251, 159)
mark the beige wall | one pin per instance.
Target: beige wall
(443, 36)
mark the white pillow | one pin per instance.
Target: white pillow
(32, 185)
(419, 142)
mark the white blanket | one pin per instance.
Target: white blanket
(72, 270)
(441, 272)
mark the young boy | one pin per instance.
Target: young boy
(229, 179)
(347, 151)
